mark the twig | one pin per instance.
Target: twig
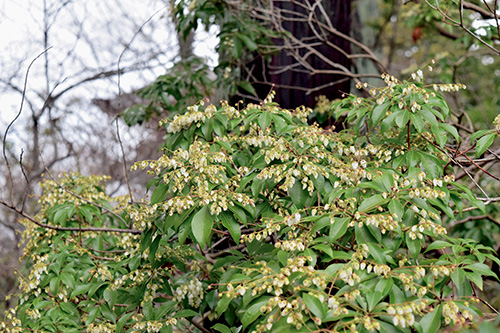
(475, 218)
(124, 162)
(124, 165)
(447, 19)
(26, 191)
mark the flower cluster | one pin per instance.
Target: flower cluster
(192, 116)
(37, 272)
(101, 328)
(449, 87)
(438, 271)
(496, 122)
(453, 314)
(194, 291)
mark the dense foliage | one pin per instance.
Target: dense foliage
(259, 221)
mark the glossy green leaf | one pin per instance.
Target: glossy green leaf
(431, 322)
(417, 121)
(376, 252)
(159, 194)
(371, 202)
(247, 86)
(314, 305)
(265, 120)
(438, 244)
(379, 112)
(253, 312)
(221, 328)
(402, 118)
(185, 313)
(231, 225)
(338, 228)
(484, 143)
(202, 225)
(480, 268)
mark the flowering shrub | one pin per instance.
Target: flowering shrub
(260, 222)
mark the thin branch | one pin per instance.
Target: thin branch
(124, 162)
(52, 227)
(475, 218)
(26, 191)
(124, 165)
(484, 13)
(448, 20)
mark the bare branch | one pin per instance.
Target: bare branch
(52, 227)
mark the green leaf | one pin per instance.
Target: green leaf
(478, 134)
(247, 86)
(93, 313)
(452, 130)
(402, 118)
(395, 207)
(414, 245)
(376, 252)
(476, 278)
(439, 135)
(388, 122)
(239, 213)
(68, 280)
(417, 121)
(264, 120)
(159, 194)
(186, 313)
(431, 322)
(223, 304)
(428, 116)
(363, 235)
(253, 312)
(384, 285)
(431, 164)
(338, 228)
(202, 225)
(152, 250)
(231, 225)
(371, 202)
(300, 197)
(480, 268)
(440, 103)
(237, 48)
(80, 289)
(439, 244)
(461, 284)
(314, 305)
(379, 112)
(69, 308)
(107, 313)
(122, 321)
(249, 43)
(221, 328)
(484, 143)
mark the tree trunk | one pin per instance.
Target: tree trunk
(300, 84)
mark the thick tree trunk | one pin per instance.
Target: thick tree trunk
(300, 83)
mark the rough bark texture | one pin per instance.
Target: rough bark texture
(289, 83)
